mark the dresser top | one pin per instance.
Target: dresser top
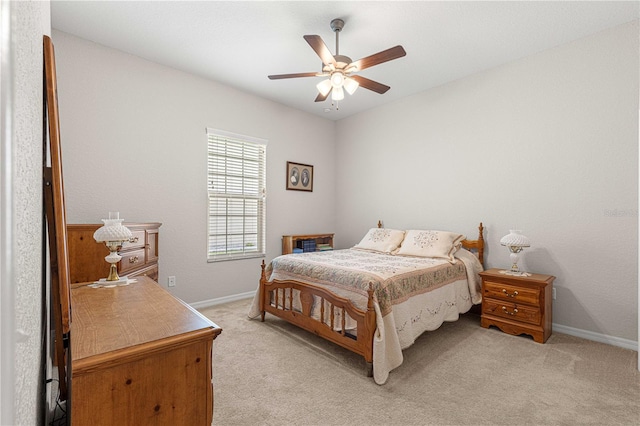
(94, 226)
(499, 274)
(120, 321)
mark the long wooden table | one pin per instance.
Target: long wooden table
(139, 356)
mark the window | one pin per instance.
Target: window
(237, 196)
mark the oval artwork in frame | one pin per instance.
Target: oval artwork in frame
(299, 176)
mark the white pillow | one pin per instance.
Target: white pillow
(438, 244)
(381, 239)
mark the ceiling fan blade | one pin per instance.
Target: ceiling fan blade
(301, 74)
(380, 57)
(322, 97)
(316, 43)
(370, 84)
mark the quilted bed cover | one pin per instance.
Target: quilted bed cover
(412, 294)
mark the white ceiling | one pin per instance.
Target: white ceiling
(239, 43)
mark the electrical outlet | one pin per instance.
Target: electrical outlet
(553, 293)
(172, 282)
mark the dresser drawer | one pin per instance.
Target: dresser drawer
(150, 271)
(131, 260)
(136, 241)
(513, 311)
(511, 293)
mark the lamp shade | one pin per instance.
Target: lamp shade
(350, 85)
(515, 239)
(337, 79)
(337, 94)
(324, 87)
(112, 230)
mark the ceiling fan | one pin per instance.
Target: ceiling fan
(341, 70)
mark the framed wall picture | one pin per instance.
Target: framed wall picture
(299, 177)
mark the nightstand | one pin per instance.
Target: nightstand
(517, 304)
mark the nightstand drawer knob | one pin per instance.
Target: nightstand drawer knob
(515, 293)
(504, 309)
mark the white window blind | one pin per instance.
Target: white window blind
(237, 195)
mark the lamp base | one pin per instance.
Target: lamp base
(515, 273)
(113, 273)
(104, 282)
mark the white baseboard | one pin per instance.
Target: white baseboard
(596, 337)
(220, 300)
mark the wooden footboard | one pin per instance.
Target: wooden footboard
(277, 297)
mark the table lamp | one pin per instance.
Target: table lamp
(114, 234)
(515, 241)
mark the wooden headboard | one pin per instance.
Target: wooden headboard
(471, 245)
(477, 245)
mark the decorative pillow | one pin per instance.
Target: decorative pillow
(439, 244)
(381, 239)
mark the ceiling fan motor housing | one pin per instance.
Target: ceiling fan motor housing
(337, 25)
(342, 61)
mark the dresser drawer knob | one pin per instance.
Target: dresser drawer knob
(506, 311)
(133, 259)
(515, 293)
(133, 239)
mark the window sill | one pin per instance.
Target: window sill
(236, 257)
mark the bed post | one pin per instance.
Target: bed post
(263, 280)
(370, 328)
(481, 243)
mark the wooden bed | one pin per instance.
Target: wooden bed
(277, 298)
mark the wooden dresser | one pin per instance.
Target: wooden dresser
(517, 304)
(86, 256)
(140, 356)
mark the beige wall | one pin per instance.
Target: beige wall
(133, 140)
(547, 144)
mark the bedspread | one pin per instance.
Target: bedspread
(349, 272)
(412, 294)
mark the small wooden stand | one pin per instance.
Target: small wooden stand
(289, 242)
(517, 304)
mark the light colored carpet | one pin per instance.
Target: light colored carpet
(273, 373)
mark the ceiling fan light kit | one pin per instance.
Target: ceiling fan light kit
(337, 94)
(337, 79)
(350, 85)
(324, 87)
(340, 69)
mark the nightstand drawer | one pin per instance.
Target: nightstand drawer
(510, 293)
(513, 311)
